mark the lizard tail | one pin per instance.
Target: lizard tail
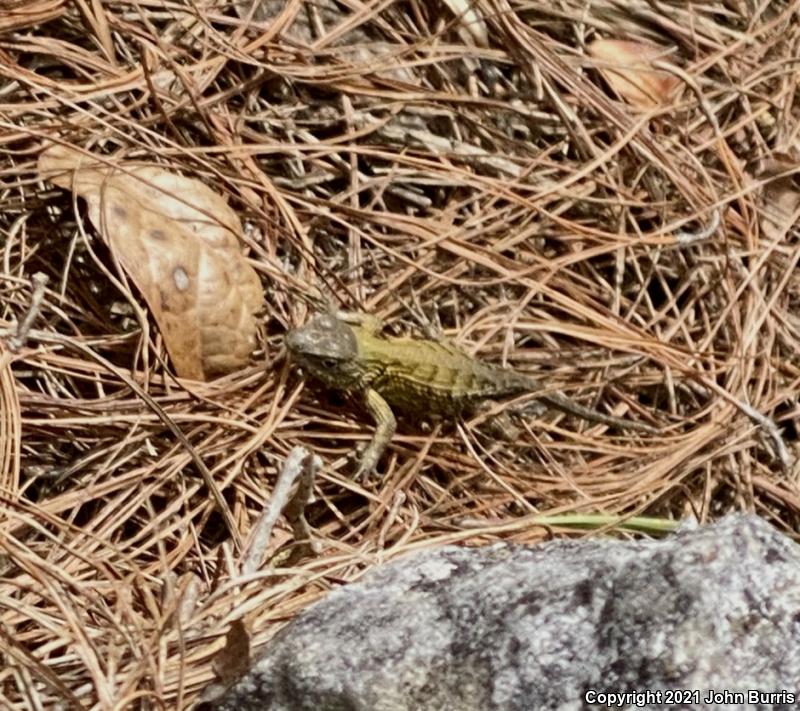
(587, 413)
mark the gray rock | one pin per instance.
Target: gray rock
(514, 628)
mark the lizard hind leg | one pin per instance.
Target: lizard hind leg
(503, 427)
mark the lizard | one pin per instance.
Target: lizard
(345, 351)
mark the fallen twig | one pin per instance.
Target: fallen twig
(39, 283)
(299, 463)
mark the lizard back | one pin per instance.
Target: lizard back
(424, 376)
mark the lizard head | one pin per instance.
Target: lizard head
(327, 349)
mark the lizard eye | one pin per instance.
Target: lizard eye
(329, 363)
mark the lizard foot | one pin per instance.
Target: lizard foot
(366, 467)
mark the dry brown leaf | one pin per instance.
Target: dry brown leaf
(627, 67)
(233, 660)
(230, 663)
(179, 243)
(780, 198)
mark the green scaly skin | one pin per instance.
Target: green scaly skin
(418, 377)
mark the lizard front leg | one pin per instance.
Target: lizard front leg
(369, 322)
(386, 425)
